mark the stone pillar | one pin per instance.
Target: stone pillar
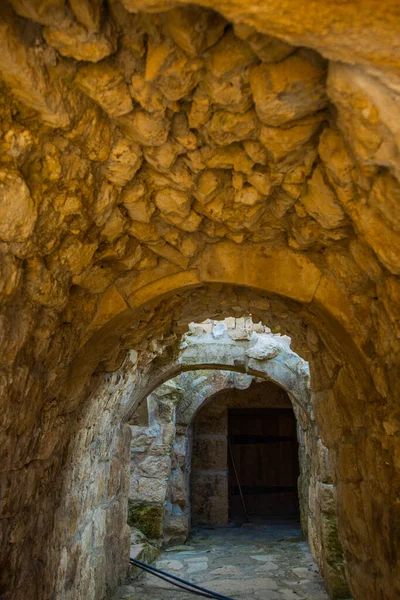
(151, 461)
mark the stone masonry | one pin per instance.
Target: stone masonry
(163, 163)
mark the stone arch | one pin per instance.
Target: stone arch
(263, 357)
(226, 263)
(246, 358)
(186, 394)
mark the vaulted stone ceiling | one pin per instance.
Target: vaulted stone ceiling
(133, 139)
(148, 147)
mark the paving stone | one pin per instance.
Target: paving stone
(268, 566)
(226, 570)
(196, 567)
(172, 565)
(304, 572)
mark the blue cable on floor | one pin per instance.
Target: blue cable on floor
(199, 591)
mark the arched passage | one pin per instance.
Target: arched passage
(196, 304)
(87, 267)
(268, 357)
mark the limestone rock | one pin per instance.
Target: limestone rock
(96, 280)
(173, 202)
(380, 237)
(366, 259)
(261, 181)
(144, 232)
(42, 287)
(290, 143)
(232, 94)
(144, 128)
(17, 142)
(105, 86)
(248, 196)
(194, 29)
(181, 132)
(27, 76)
(10, 275)
(188, 247)
(50, 12)
(158, 57)
(225, 128)
(147, 94)
(219, 330)
(124, 161)
(369, 114)
(167, 251)
(76, 42)
(92, 134)
(263, 350)
(114, 226)
(88, 12)
(189, 223)
(227, 73)
(200, 110)
(77, 254)
(17, 208)
(339, 164)
(104, 202)
(267, 48)
(256, 151)
(289, 90)
(136, 201)
(229, 56)
(228, 157)
(320, 202)
(162, 157)
(176, 528)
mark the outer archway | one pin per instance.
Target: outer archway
(270, 309)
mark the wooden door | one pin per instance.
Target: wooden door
(265, 451)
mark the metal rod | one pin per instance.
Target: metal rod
(237, 480)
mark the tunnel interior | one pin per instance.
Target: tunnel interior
(162, 163)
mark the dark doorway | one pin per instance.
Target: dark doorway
(264, 448)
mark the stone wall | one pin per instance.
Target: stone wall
(93, 544)
(151, 462)
(149, 148)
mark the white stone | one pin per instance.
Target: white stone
(197, 567)
(219, 330)
(264, 349)
(169, 565)
(262, 557)
(268, 566)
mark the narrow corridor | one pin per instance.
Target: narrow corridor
(268, 561)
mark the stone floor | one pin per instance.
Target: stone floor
(268, 561)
